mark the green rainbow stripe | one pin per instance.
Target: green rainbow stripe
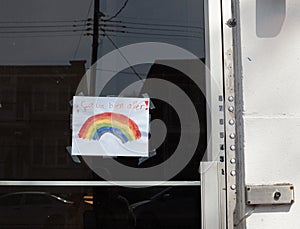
(117, 124)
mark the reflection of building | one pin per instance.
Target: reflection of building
(167, 70)
(35, 120)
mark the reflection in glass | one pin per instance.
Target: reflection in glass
(45, 51)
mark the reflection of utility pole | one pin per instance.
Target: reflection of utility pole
(94, 48)
(97, 16)
(95, 32)
(97, 192)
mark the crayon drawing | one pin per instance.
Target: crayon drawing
(109, 126)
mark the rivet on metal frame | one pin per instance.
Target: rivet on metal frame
(233, 173)
(233, 187)
(231, 122)
(231, 108)
(232, 136)
(232, 160)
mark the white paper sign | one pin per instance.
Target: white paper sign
(110, 126)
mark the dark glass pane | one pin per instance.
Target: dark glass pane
(10, 200)
(36, 199)
(45, 52)
(46, 49)
(115, 207)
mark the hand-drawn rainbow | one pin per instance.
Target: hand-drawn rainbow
(119, 125)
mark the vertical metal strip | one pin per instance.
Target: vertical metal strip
(229, 95)
(239, 107)
(214, 202)
(214, 79)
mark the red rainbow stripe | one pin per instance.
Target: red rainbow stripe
(117, 124)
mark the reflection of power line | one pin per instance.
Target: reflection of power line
(140, 36)
(152, 34)
(79, 41)
(44, 31)
(155, 24)
(42, 36)
(129, 65)
(118, 12)
(122, 72)
(149, 28)
(42, 26)
(41, 22)
(130, 36)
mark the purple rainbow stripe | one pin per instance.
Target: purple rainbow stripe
(117, 124)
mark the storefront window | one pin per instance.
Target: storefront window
(46, 50)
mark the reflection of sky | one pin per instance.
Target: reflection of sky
(55, 48)
(187, 14)
(52, 49)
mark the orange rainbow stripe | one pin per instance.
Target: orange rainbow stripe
(119, 125)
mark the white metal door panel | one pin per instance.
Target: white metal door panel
(213, 199)
(272, 157)
(271, 81)
(271, 64)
